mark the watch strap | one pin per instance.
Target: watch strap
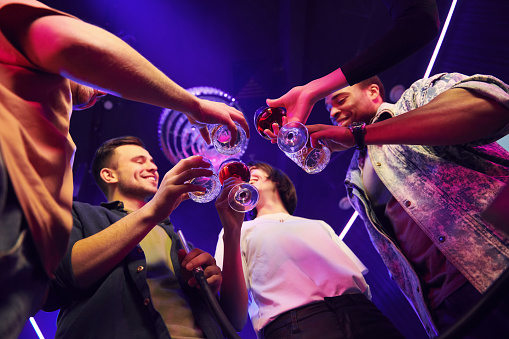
(358, 130)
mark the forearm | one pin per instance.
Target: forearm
(95, 256)
(456, 116)
(85, 53)
(416, 23)
(321, 87)
(233, 294)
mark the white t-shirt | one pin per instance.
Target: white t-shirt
(290, 262)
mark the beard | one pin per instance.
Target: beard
(136, 190)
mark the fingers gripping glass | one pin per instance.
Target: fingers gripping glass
(265, 117)
(221, 136)
(292, 137)
(211, 184)
(292, 140)
(242, 197)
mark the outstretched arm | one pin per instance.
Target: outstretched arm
(454, 117)
(416, 23)
(93, 257)
(94, 57)
(233, 294)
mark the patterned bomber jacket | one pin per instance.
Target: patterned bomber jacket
(444, 189)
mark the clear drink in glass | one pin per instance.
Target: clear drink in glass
(211, 184)
(221, 136)
(293, 141)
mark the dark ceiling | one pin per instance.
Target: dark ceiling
(254, 50)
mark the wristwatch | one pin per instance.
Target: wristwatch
(358, 130)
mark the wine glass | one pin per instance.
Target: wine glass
(265, 117)
(242, 197)
(211, 184)
(221, 136)
(312, 160)
(293, 139)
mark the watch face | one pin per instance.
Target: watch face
(358, 129)
(357, 125)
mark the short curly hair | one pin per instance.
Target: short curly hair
(374, 80)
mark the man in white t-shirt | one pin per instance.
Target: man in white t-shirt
(297, 276)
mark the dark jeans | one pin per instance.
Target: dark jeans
(494, 324)
(341, 317)
(23, 281)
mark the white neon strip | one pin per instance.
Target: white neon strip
(348, 225)
(428, 71)
(36, 328)
(441, 39)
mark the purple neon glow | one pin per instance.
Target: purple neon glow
(355, 214)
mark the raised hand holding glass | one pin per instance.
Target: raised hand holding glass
(221, 136)
(265, 117)
(242, 197)
(292, 140)
(211, 184)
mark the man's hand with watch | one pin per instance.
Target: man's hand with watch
(337, 138)
(358, 130)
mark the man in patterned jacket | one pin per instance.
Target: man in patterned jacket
(424, 170)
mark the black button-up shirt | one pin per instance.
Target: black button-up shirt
(119, 305)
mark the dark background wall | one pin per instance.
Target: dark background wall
(259, 49)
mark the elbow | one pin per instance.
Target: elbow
(236, 312)
(430, 26)
(237, 319)
(239, 324)
(430, 21)
(421, 21)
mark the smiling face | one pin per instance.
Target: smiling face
(135, 171)
(277, 192)
(352, 104)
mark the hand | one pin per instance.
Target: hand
(174, 187)
(337, 138)
(230, 219)
(84, 97)
(298, 103)
(212, 112)
(199, 258)
(275, 128)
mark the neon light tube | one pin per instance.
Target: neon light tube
(36, 328)
(441, 39)
(348, 225)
